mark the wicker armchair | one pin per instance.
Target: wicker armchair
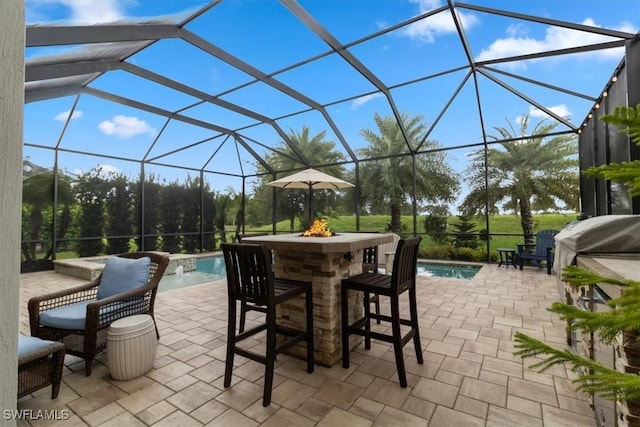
(89, 335)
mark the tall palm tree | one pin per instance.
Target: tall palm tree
(524, 173)
(389, 182)
(319, 151)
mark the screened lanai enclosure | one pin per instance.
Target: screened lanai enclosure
(158, 129)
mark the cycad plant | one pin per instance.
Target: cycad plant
(624, 317)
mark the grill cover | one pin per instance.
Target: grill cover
(601, 234)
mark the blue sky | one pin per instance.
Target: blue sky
(267, 36)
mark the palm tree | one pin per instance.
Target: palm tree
(524, 172)
(293, 203)
(389, 181)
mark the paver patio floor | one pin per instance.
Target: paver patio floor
(469, 378)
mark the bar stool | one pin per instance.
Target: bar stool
(250, 278)
(402, 279)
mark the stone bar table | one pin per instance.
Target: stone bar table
(323, 261)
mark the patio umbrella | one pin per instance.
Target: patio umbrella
(311, 179)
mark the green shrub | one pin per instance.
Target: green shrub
(436, 252)
(464, 254)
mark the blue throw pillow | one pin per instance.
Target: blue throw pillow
(123, 274)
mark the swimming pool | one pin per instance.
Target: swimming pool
(211, 268)
(208, 269)
(458, 271)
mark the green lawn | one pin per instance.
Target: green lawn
(505, 229)
(499, 224)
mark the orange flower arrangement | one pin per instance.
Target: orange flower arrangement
(319, 228)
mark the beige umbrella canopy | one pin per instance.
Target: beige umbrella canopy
(311, 179)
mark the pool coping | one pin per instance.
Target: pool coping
(89, 268)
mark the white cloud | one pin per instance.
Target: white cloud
(125, 127)
(515, 30)
(94, 11)
(518, 43)
(560, 110)
(427, 29)
(381, 25)
(359, 102)
(64, 115)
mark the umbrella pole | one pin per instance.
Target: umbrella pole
(310, 204)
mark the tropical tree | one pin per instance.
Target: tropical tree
(464, 234)
(91, 191)
(170, 215)
(191, 202)
(209, 220)
(37, 197)
(435, 223)
(293, 203)
(149, 209)
(525, 171)
(223, 203)
(389, 181)
(119, 224)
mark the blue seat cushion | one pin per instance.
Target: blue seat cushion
(67, 317)
(27, 344)
(123, 274)
(73, 316)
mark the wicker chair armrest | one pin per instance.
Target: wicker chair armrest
(38, 304)
(62, 296)
(40, 353)
(102, 312)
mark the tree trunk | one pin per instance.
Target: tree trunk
(35, 225)
(396, 218)
(63, 226)
(239, 223)
(220, 223)
(526, 220)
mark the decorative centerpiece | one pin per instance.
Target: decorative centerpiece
(319, 228)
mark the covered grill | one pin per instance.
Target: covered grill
(610, 246)
(601, 234)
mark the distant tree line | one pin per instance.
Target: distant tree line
(100, 213)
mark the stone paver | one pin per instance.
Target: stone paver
(469, 376)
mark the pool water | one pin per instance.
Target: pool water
(457, 271)
(209, 269)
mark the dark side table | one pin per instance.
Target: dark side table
(507, 256)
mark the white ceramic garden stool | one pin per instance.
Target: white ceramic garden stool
(131, 346)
